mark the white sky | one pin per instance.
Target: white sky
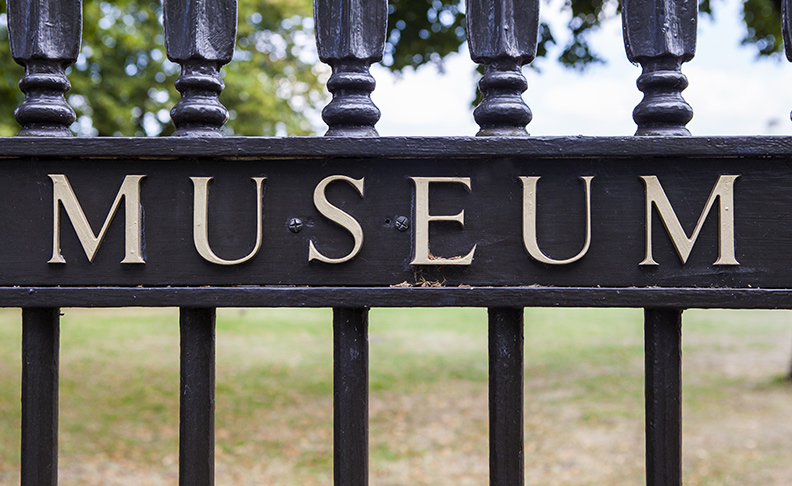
(730, 91)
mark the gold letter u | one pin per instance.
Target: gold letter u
(529, 222)
(201, 225)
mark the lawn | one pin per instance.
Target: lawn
(428, 378)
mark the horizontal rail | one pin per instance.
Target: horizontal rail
(674, 298)
(393, 147)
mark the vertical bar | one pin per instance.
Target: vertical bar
(199, 36)
(40, 357)
(350, 396)
(197, 403)
(507, 463)
(663, 355)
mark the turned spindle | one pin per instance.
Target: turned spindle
(502, 36)
(45, 39)
(660, 35)
(786, 28)
(350, 36)
(200, 36)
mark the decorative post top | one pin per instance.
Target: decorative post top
(503, 36)
(200, 36)
(660, 28)
(661, 35)
(350, 36)
(200, 30)
(503, 29)
(350, 30)
(45, 39)
(44, 29)
(786, 27)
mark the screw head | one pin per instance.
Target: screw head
(295, 225)
(402, 223)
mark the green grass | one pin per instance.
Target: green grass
(428, 378)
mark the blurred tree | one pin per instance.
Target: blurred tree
(122, 83)
(416, 38)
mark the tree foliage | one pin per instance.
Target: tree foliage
(123, 82)
(415, 38)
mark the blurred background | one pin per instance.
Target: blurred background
(580, 83)
(738, 80)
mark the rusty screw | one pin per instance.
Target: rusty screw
(402, 223)
(295, 225)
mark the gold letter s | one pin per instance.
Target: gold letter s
(337, 216)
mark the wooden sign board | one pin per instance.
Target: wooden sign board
(451, 216)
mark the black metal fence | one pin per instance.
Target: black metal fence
(384, 269)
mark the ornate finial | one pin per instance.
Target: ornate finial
(200, 36)
(786, 28)
(661, 35)
(45, 39)
(350, 36)
(502, 35)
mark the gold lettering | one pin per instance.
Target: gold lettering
(529, 222)
(337, 216)
(63, 194)
(201, 225)
(423, 218)
(723, 190)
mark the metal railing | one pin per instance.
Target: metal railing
(660, 35)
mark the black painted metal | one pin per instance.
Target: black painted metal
(663, 354)
(120, 150)
(251, 296)
(45, 39)
(786, 27)
(40, 358)
(350, 36)
(350, 396)
(502, 35)
(661, 35)
(507, 463)
(197, 398)
(200, 36)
